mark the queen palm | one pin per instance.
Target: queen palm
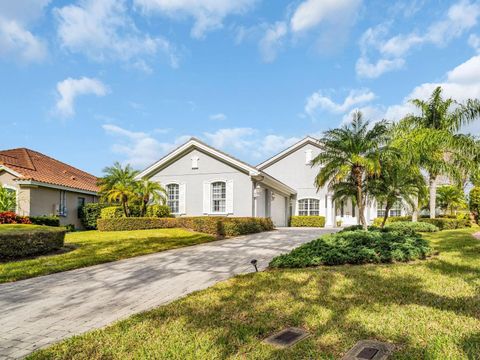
(450, 198)
(121, 193)
(148, 192)
(351, 154)
(433, 136)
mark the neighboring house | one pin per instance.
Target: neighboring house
(201, 180)
(45, 186)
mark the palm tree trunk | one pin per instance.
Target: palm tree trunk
(432, 183)
(124, 206)
(360, 202)
(385, 217)
(415, 209)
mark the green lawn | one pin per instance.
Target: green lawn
(429, 309)
(94, 247)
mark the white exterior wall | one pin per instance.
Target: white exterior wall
(296, 173)
(209, 170)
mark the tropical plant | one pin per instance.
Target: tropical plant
(118, 185)
(350, 155)
(149, 192)
(399, 182)
(450, 198)
(433, 137)
(8, 199)
(474, 202)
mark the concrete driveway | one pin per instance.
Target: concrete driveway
(43, 310)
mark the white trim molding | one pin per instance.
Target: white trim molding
(53, 186)
(10, 171)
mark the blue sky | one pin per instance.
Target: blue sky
(94, 81)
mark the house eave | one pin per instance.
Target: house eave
(54, 186)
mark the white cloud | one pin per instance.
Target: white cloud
(139, 148)
(236, 138)
(318, 101)
(272, 144)
(459, 18)
(272, 40)
(69, 89)
(474, 42)
(16, 38)
(311, 13)
(218, 117)
(207, 14)
(103, 30)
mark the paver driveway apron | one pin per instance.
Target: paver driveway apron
(39, 311)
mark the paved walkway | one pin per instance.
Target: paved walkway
(37, 312)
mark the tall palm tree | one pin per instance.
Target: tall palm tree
(434, 136)
(399, 181)
(148, 192)
(352, 152)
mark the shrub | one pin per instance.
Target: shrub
(9, 217)
(448, 224)
(111, 212)
(45, 220)
(474, 202)
(218, 226)
(90, 213)
(158, 211)
(307, 221)
(356, 247)
(391, 219)
(29, 240)
(415, 226)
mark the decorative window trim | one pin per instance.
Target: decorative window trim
(222, 200)
(208, 197)
(177, 200)
(309, 209)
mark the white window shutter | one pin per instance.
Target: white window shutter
(229, 200)
(206, 197)
(182, 193)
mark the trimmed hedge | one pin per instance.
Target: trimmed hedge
(356, 247)
(111, 212)
(415, 226)
(25, 241)
(90, 213)
(45, 220)
(443, 223)
(217, 226)
(307, 221)
(160, 211)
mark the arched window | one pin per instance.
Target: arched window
(173, 197)
(219, 196)
(309, 207)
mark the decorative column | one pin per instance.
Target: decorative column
(329, 221)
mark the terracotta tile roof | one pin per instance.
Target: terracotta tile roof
(35, 166)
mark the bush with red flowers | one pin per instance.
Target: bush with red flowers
(9, 217)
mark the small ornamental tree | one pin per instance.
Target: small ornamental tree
(474, 202)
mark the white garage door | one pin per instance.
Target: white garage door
(278, 210)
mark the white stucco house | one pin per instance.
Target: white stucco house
(203, 181)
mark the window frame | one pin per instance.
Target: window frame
(308, 207)
(14, 189)
(222, 201)
(177, 200)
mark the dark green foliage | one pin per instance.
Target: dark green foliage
(29, 242)
(90, 213)
(474, 202)
(158, 211)
(45, 220)
(415, 226)
(218, 226)
(356, 247)
(307, 221)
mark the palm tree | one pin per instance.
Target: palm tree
(398, 182)
(150, 191)
(118, 185)
(450, 198)
(434, 136)
(352, 152)
(120, 193)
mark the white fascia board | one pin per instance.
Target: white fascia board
(277, 185)
(285, 152)
(194, 143)
(53, 186)
(10, 171)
